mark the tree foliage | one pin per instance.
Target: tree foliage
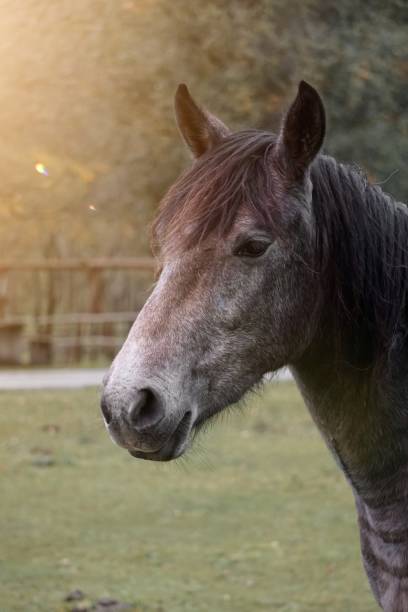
(88, 85)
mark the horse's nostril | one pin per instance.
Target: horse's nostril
(146, 410)
(105, 411)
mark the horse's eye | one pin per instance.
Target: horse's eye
(251, 248)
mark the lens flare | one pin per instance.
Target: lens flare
(41, 169)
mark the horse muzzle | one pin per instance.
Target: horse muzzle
(145, 428)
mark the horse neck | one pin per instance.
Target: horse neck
(364, 423)
(383, 524)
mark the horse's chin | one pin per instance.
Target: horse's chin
(174, 447)
(160, 455)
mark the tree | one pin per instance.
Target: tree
(88, 91)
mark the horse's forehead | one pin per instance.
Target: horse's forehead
(243, 221)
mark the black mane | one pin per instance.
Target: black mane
(362, 257)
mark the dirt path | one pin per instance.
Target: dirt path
(65, 379)
(50, 379)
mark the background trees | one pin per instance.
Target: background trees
(87, 90)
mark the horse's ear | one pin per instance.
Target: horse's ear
(302, 132)
(200, 130)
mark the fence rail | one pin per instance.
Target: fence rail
(64, 310)
(78, 317)
(123, 263)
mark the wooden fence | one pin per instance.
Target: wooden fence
(69, 310)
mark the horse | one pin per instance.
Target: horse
(274, 254)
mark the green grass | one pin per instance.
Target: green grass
(257, 517)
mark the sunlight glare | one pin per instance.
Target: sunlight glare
(41, 169)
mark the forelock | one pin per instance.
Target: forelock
(206, 199)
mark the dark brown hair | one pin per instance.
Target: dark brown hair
(208, 196)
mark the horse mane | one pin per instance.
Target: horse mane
(361, 233)
(206, 198)
(361, 252)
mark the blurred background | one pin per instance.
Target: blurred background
(89, 143)
(257, 516)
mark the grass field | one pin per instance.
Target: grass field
(257, 517)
